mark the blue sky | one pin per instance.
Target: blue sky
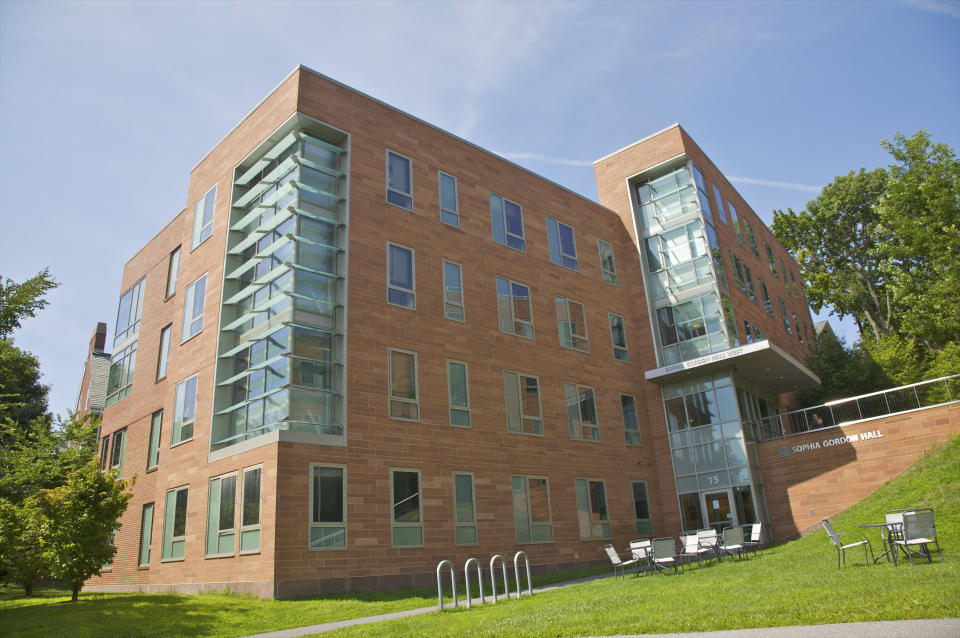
(106, 106)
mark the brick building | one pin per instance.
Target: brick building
(92, 395)
(367, 345)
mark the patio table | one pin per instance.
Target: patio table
(887, 547)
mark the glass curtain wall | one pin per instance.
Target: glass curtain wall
(281, 342)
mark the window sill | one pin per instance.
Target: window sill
(328, 549)
(193, 336)
(179, 443)
(159, 379)
(514, 334)
(143, 568)
(452, 227)
(535, 542)
(525, 433)
(150, 470)
(586, 440)
(215, 556)
(249, 552)
(396, 418)
(396, 305)
(587, 351)
(172, 560)
(409, 210)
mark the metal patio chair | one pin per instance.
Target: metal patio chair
(665, 555)
(755, 540)
(693, 550)
(642, 550)
(616, 561)
(919, 530)
(708, 539)
(733, 542)
(843, 547)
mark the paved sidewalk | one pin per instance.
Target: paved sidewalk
(935, 628)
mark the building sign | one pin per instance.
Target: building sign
(710, 358)
(835, 441)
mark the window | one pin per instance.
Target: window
(619, 337)
(758, 334)
(407, 515)
(751, 292)
(164, 354)
(399, 180)
(692, 328)
(119, 447)
(193, 308)
(464, 509)
(203, 218)
(153, 450)
(592, 508)
(222, 516)
(765, 294)
(747, 334)
(401, 285)
(572, 324)
(449, 209)
(702, 194)
(607, 265)
(680, 258)
(532, 522)
(737, 266)
(664, 198)
(581, 412)
(783, 313)
(120, 378)
(631, 426)
(563, 246)
(104, 448)
(184, 410)
(735, 221)
(783, 269)
(506, 220)
(128, 313)
(250, 511)
(452, 291)
(641, 508)
(751, 237)
(796, 326)
(770, 260)
(328, 494)
(513, 306)
(793, 282)
(523, 403)
(146, 534)
(172, 267)
(175, 524)
(719, 201)
(404, 402)
(458, 394)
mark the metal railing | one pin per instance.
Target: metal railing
(924, 394)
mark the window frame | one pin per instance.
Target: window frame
(646, 500)
(591, 535)
(446, 301)
(393, 189)
(173, 271)
(220, 531)
(569, 337)
(311, 524)
(783, 313)
(176, 435)
(199, 213)
(771, 262)
(578, 425)
(466, 393)
(719, 203)
(114, 461)
(507, 235)
(520, 386)
(104, 452)
(146, 534)
(244, 527)
(416, 387)
(163, 355)
(412, 291)
(134, 311)
(512, 319)
(190, 305)
(457, 523)
(153, 443)
(445, 211)
(765, 297)
(608, 275)
(625, 358)
(530, 524)
(394, 524)
(175, 491)
(627, 430)
(558, 252)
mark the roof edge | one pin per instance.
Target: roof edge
(640, 141)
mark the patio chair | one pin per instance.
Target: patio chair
(755, 541)
(642, 550)
(919, 530)
(617, 562)
(892, 532)
(707, 538)
(733, 542)
(843, 547)
(664, 555)
(692, 550)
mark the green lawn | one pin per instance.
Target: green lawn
(795, 583)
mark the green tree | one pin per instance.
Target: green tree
(21, 552)
(18, 301)
(23, 399)
(843, 371)
(81, 520)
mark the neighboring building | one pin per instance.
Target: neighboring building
(92, 396)
(367, 345)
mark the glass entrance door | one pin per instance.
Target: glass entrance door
(718, 510)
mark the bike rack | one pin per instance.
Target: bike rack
(493, 576)
(516, 572)
(453, 583)
(466, 575)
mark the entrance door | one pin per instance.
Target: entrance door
(718, 510)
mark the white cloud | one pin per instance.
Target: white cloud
(775, 184)
(545, 158)
(946, 7)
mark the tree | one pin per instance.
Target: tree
(23, 399)
(21, 553)
(22, 300)
(843, 371)
(81, 519)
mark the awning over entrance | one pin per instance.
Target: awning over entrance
(762, 362)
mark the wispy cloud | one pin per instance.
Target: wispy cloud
(545, 158)
(946, 7)
(774, 184)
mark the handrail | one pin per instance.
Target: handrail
(516, 572)
(466, 575)
(851, 409)
(453, 583)
(493, 577)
